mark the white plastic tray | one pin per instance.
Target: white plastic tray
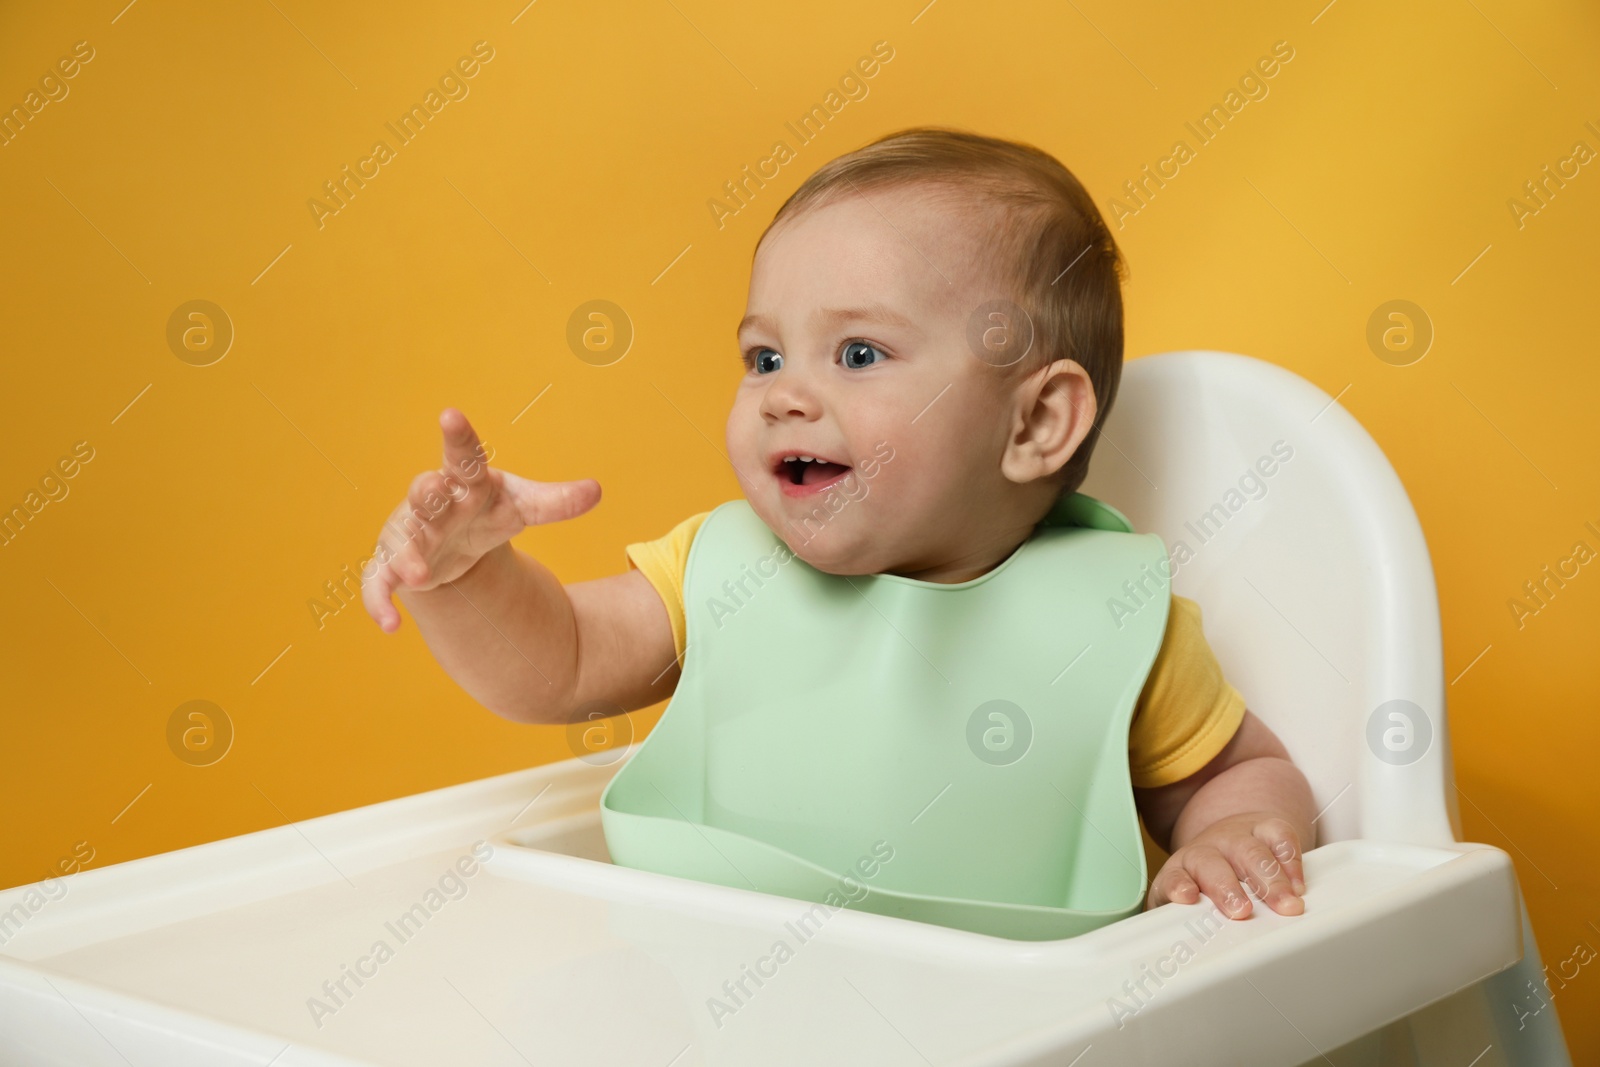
(547, 953)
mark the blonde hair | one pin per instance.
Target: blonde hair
(1053, 250)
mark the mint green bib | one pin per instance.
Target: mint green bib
(954, 754)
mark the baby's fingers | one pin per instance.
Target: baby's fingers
(377, 596)
(1217, 880)
(1265, 876)
(1172, 883)
(541, 502)
(464, 454)
(398, 559)
(1280, 837)
(428, 500)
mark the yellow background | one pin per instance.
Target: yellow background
(579, 167)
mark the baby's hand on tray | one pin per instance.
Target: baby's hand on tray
(1255, 852)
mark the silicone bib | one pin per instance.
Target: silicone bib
(954, 754)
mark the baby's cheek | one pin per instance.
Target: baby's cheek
(741, 446)
(922, 469)
(873, 477)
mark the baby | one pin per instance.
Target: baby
(932, 341)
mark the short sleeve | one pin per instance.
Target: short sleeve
(663, 562)
(1187, 712)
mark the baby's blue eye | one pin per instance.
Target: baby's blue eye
(858, 354)
(767, 361)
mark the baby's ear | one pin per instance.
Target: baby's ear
(1055, 411)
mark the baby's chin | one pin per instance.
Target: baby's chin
(836, 560)
(834, 548)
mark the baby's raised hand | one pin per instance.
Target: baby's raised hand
(1255, 852)
(454, 516)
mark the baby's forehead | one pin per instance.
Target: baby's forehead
(939, 213)
(927, 243)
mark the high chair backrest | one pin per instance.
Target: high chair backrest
(1288, 526)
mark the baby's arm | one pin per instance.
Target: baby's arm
(1245, 817)
(498, 621)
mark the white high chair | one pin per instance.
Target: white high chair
(1318, 596)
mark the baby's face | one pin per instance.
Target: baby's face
(856, 354)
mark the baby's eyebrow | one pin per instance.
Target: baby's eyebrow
(834, 317)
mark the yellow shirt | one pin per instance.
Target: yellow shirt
(1185, 715)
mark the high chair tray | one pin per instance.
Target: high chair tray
(535, 949)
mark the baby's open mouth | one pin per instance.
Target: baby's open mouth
(807, 472)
